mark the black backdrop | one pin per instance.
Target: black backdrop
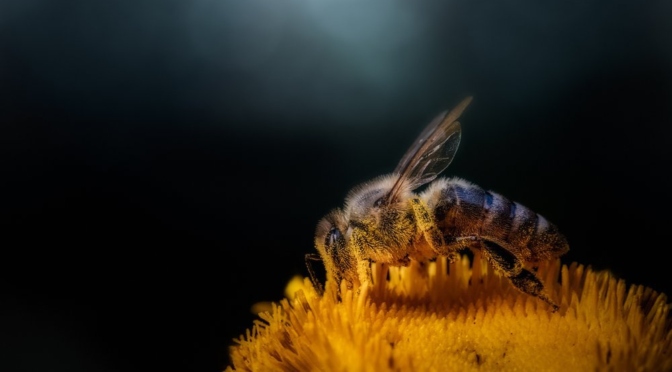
(164, 163)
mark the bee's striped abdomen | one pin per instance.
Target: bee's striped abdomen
(522, 226)
(460, 209)
(467, 210)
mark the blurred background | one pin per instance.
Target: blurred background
(163, 164)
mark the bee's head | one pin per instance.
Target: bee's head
(332, 244)
(365, 211)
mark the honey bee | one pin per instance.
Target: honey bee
(385, 221)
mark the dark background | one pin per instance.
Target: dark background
(164, 163)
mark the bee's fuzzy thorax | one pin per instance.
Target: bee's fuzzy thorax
(369, 191)
(384, 181)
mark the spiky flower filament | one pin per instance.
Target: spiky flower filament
(459, 317)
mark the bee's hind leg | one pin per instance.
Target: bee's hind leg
(521, 278)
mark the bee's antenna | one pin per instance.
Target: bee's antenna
(313, 278)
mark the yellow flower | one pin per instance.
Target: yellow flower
(454, 317)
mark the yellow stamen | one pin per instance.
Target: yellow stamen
(454, 317)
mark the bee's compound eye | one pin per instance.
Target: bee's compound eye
(333, 236)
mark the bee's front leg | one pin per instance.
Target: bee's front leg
(364, 272)
(361, 246)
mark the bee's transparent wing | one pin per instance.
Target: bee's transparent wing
(431, 153)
